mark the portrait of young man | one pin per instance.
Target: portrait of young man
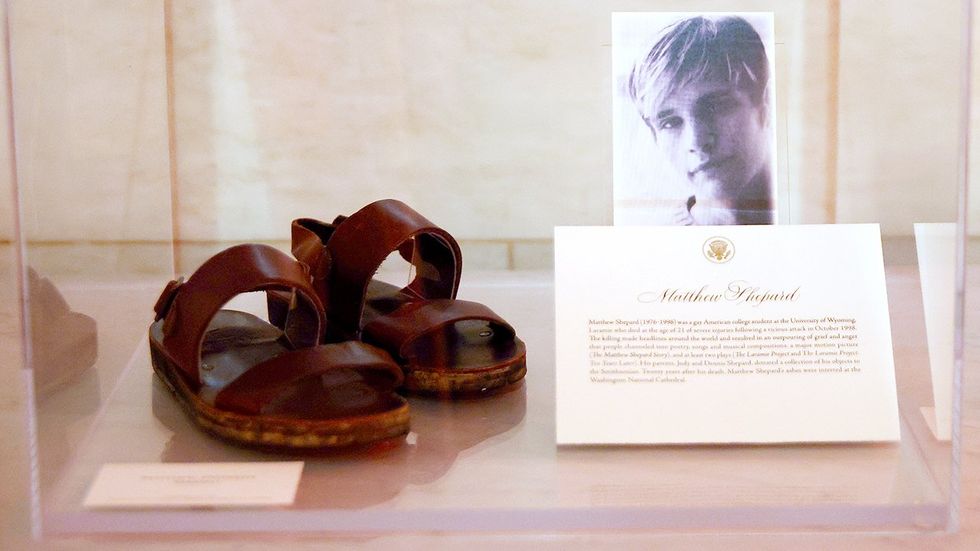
(693, 119)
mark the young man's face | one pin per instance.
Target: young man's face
(714, 135)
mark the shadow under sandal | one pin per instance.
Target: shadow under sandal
(243, 379)
(444, 345)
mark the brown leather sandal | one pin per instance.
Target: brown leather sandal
(246, 380)
(444, 345)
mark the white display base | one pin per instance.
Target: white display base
(492, 464)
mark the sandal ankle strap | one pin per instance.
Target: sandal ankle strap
(187, 308)
(345, 256)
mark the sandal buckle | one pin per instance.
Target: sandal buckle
(166, 299)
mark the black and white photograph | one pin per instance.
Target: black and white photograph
(693, 119)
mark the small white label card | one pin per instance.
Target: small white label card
(195, 484)
(723, 334)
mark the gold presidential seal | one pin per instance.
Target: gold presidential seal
(718, 249)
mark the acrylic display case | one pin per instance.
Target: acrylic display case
(148, 136)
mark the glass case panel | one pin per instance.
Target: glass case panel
(149, 136)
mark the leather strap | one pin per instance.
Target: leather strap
(253, 390)
(345, 256)
(309, 237)
(188, 307)
(411, 321)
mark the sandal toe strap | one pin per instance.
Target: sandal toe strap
(255, 389)
(401, 329)
(187, 307)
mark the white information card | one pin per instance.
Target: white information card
(120, 485)
(723, 334)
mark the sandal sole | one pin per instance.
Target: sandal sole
(279, 432)
(467, 382)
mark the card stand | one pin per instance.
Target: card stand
(475, 465)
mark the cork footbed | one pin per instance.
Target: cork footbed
(339, 408)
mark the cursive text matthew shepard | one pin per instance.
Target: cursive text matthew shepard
(739, 292)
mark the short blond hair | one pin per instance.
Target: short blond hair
(699, 48)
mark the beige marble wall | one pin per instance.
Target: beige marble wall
(7, 201)
(90, 121)
(91, 133)
(973, 194)
(492, 118)
(899, 109)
